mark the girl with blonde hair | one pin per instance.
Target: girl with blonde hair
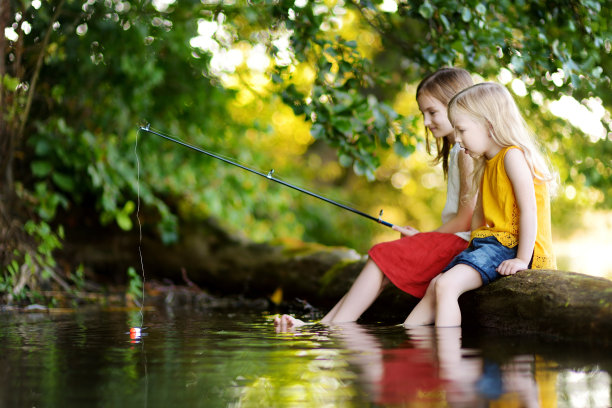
(511, 228)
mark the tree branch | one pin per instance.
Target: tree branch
(39, 62)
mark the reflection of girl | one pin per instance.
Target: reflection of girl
(398, 375)
(511, 224)
(431, 368)
(410, 375)
(412, 261)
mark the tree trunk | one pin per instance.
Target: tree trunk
(5, 137)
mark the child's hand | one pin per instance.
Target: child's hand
(406, 231)
(512, 266)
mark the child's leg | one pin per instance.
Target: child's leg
(424, 312)
(327, 318)
(366, 288)
(452, 284)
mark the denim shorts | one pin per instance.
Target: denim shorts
(484, 255)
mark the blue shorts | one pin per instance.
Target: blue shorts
(484, 255)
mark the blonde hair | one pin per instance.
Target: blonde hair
(493, 106)
(443, 85)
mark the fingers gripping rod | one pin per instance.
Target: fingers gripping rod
(269, 176)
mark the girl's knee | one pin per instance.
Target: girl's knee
(444, 286)
(431, 288)
(457, 280)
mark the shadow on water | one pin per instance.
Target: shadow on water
(236, 359)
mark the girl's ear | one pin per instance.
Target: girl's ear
(491, 130)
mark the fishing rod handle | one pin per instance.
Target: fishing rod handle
(388, 224)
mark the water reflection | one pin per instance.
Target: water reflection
(431, 367)
(236, 359)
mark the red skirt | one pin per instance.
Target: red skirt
(412, 262)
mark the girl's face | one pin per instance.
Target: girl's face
(474, 137)
(435, 117)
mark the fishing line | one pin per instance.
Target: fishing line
(139, 230)
(139, 335)
(269, 176)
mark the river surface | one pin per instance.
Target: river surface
(237, 359)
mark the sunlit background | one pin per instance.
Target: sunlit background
(579, 250)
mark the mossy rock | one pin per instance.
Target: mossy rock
(559, 303)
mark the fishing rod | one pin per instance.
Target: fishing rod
(268, 176)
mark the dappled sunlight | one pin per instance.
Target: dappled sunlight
(405, 102)
(587, 249)
(586, 389)
(586, 118)
(316, 377)
(354, 28)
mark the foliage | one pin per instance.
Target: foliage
(134, 289)
(31, 270)
(320, 90)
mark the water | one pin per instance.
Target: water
(236, 359)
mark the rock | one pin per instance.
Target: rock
(559, 303)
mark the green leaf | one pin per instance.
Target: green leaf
(518, 64)
(129, 207)
(360, 168)
(345, 160)
(445, 22)
(41, 168)
(317, 131)
(402, 150)
(42, 147)
(10, 83)
(330, 51)
(343, 125)
(123, 221)
(63, 181)
(426, 10)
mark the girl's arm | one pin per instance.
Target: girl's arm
(524, 191)
(478, 216)
(462, 220)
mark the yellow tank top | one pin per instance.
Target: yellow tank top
(501, 213)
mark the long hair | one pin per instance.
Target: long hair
(443, 85)
(492, 105)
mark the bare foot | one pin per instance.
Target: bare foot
(292, 321)
(287, 323)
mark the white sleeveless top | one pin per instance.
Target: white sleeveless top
(453, 189)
